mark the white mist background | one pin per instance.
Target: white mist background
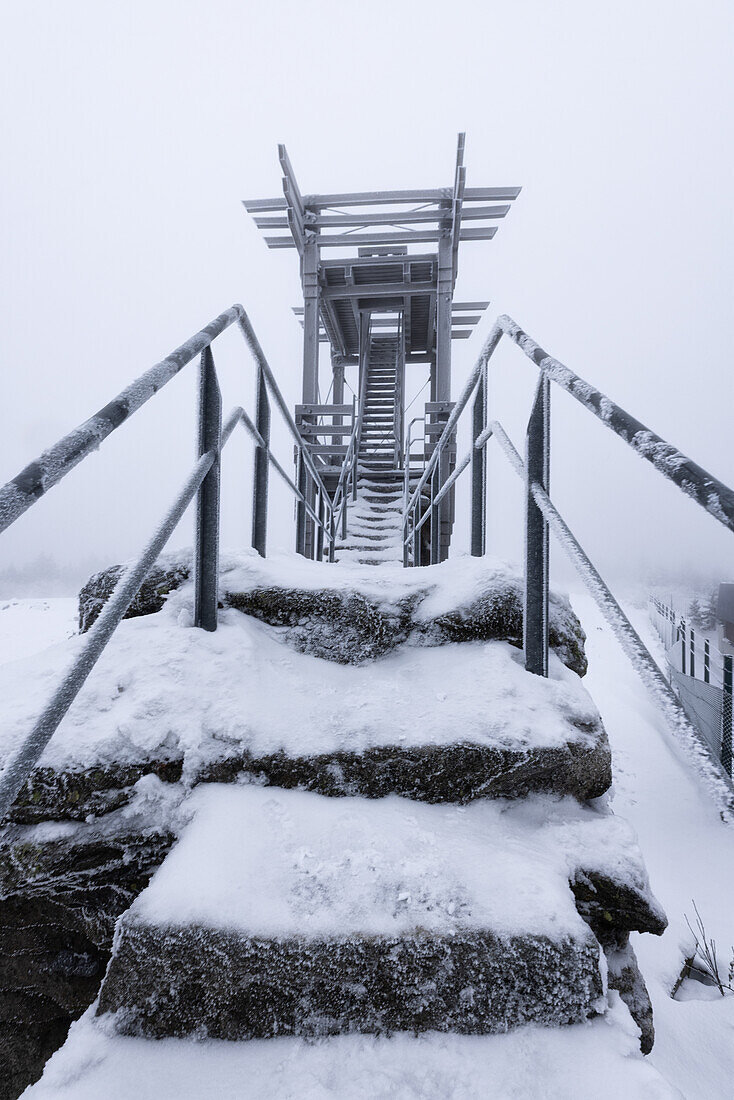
(131, 132)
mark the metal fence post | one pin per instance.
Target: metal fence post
(262, 467)
(692, 652)
(537, 470)
(479, 470)
(706, 661)
(726, 709)
(206, 553)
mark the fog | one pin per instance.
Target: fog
(131, 132)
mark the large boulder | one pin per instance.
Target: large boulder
(347, 615)
(62, 889)
(163, 579)
(341, 626)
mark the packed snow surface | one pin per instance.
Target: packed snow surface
(600, 1059)
(294, 863)
(689, 853)
(165, 689)
(29, 626)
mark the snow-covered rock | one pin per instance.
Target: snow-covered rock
(438, 723)
(355, 613)
(288, 913)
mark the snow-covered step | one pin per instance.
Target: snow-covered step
(287, 913)
(599, 1058)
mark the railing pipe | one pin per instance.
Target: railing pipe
(453, 477)
(21, 762)
(56, 462)
(259, 357)
(712, 494)
(489, 345)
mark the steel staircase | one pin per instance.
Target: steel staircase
(374, 526)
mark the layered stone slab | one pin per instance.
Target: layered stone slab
(354, 614)
(285, 913)
(435, 723)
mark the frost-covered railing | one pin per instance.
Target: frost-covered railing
(203, 482)
(541, 516)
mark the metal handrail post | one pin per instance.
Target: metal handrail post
(435, 519)
(319, 531)
(301, 506)
(206, 547)
(417, 555)
(261, 467)
(479, 471)
(535, 616)
(443, 500)
(332, 535)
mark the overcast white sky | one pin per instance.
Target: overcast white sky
(131, 131)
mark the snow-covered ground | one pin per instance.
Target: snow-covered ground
(29, 626)
(689, 854)
(597, 1061)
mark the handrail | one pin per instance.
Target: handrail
(708, 491)
(635, 649)
(19, 765)
(471, 383)
(22, 491)
(203, 482)
(57, 461)
(541, 516)
(259, 356)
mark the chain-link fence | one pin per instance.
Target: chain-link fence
(701, 677)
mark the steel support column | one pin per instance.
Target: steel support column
(310, 281)
(537, 471)
(443, 322)
(337, 395)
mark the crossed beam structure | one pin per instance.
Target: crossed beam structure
(381, 276)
